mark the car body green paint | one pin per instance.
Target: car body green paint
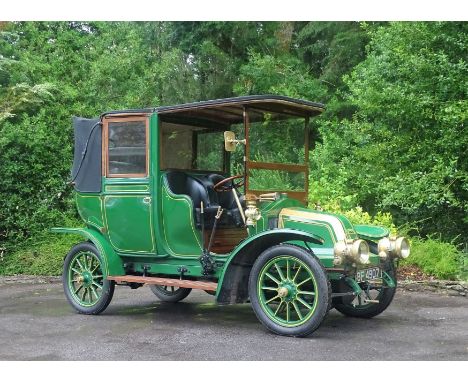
(176, 212)
(141, 222)
(112, 262)
(371, 232)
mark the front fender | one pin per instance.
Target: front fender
(113, 264)
(233, 282)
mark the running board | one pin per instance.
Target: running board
(203, 285)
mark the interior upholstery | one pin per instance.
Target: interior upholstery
(200, 189)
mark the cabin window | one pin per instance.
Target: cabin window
(185, 147)
(126, 142)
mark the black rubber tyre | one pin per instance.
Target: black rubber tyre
(103, 288)
(302, 260)
(385, 297)
(170, 294)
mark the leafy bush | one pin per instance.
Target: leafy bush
(404, 149)
(434, 257)
(42, 256)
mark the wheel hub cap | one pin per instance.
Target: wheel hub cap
(287, 291)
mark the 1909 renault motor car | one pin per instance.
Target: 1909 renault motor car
(213, 196)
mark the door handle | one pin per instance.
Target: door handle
(147, 199)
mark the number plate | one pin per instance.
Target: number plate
(368, 274)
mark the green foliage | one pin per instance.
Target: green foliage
(283, 75)
(434, 257)
(41, 255)
(393, 138)
(404, 150)
(44, 256)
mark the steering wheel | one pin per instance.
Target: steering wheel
(223, 187)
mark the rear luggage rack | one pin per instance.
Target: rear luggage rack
(203, 285)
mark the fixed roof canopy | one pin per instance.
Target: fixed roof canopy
(229, 111)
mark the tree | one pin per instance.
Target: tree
(405, 149)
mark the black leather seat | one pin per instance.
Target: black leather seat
(201, 190)
(182, 183)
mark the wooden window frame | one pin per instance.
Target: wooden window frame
(297, 168)
(105, 145)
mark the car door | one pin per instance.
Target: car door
(127, 188)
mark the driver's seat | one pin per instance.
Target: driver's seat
(201, 190)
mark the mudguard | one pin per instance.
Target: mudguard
(113, 264)
(233, 282)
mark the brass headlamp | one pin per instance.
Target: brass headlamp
(354, 250)
(396, 247)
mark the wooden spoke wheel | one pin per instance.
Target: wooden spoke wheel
(357, 307)
(84, 281)
(289, 290)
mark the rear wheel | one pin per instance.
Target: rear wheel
(84, 281)
(289, 290)
(170, 293)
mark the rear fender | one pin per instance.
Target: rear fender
(113, 265)
(233, 282)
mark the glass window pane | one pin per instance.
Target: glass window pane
(210, 151)
(127, 147)
(277, 141)
(176, 146)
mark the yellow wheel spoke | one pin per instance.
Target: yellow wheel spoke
(303, 282)
(269, 288)
(287, 270)
(297, 272)
(287, 311)
(280, 272)
(96, 284)
(278, 308)
(305, 292)
(272, 299)
(298, 311)
(95, 268)
(94, 292)
(272, 277)
(80, 265)
(304, 303)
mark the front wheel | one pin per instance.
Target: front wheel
(170, 293)
(357, 307)
(289, 290)
(84, 281)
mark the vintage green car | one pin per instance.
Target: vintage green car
(213, 196)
